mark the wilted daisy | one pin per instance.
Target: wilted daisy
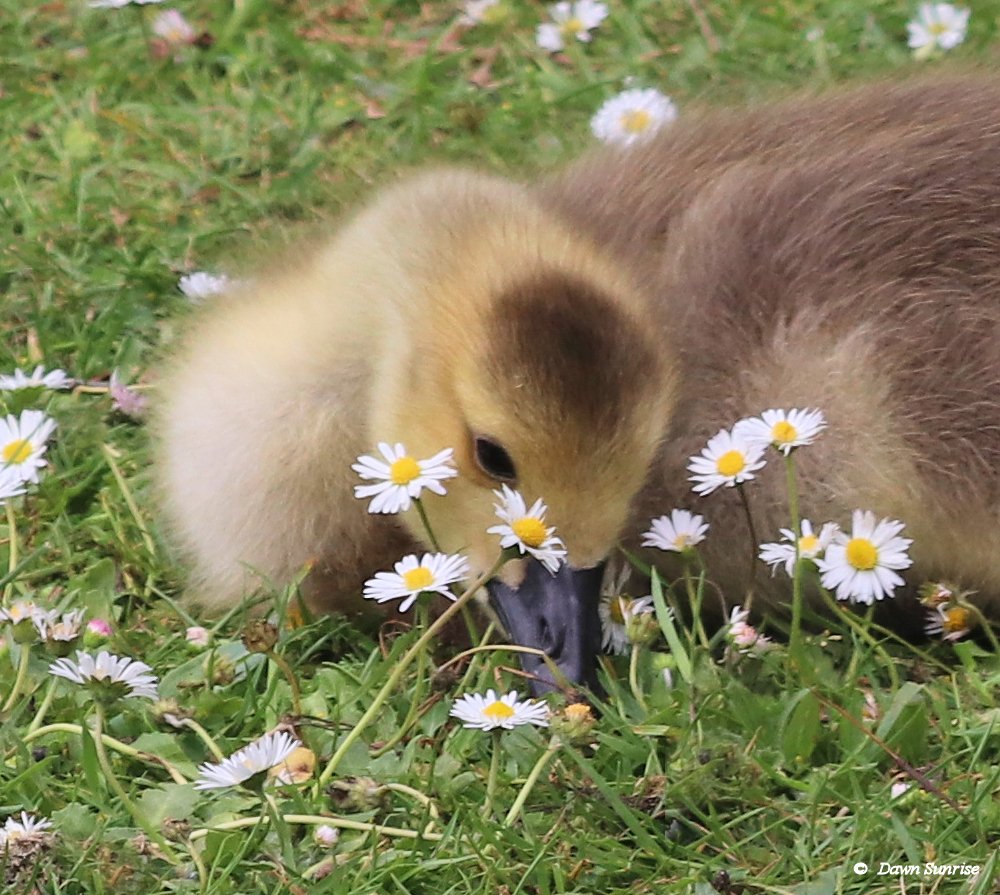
(782, 429)
(743, 637)
(937, 26)
(570, 21)
(618, 614)
(525, 528)
(295, 768)
(950, 623)
(22, 442)
(124, 399)
(54, 379)
(811, 546)
(257, 758)
(727, 460)
(201, 285)
(490, 711)
(433, 573)
(677, 532)
(28, 827)
(632, 116)
(862, 566)
(22, 616)
(400, 477)
(108, 674)
(59, 629)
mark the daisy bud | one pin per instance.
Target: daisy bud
(197, 637)
(260, 636)
(326, 836)
(357, 794)
(97, 633)
(574, 723)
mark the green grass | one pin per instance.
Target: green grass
(120, 173)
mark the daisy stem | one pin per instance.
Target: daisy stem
(204, 736)
(115, 784)
(532, 779)
(110, 742)
(863, 632)
(133, 507)
(43, 709)
(281, 829)
(426, 523)
(293, 683)
(400, 669)
(22, 674)
(748, 601)
(984, 623)
(633, 677)
(795, 637)
(8, 591)
(491, 780)
(696, 595)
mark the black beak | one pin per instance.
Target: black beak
(556, 613)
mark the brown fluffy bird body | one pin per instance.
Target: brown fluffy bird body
(839, 252)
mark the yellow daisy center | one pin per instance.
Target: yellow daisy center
(808, 543)
(495, 14)
(783, 432)
(531, 531)
(578, 711)
(404, 471)
(937, 28)
(731, 463)
(616, 610)
(682, 540)
(16, 451)
(956, 619)
(571, 26)
(419, 578)
(635, 121)
(862, 554)
(498, 710)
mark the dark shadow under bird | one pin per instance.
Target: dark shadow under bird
(580, 338)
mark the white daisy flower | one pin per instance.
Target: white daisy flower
(632, 116)
(22, 442)
(727, 460)
(811, 546)
(54, 379)
(126, 677)
(257, 758)
(526, 529)
(490, 711)
(173, 28)
(862, 566)
(435, 572)
(781, 429)
(570, 21)
(20, 611)
(937, 26)
(400, 477)
(475, 12)
(202, 285)
(28, 827)
(951, 623)
(677, 532)
(617, 613)
(58, 628)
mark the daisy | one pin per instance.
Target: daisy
(257, 758)
(58, 629)
(477, 12)
(952, 623)
(617, 614)
(570, 21)
(434, 573)
(744, 638)
(490, 711)
(811, 546)
(526, 529)
(173, 28)
(201, 285)
(22, 442)
(781, 429)
(677, 532)
(862, 566)
(400, 477)
(632, 116)
(26, 830)
(727, 460)
(108, 672)
(54, 379)
(126, 400)
(21, 611)
(119, 4)
(11, 483)
(937, 26)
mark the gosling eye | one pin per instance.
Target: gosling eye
(493, 459)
